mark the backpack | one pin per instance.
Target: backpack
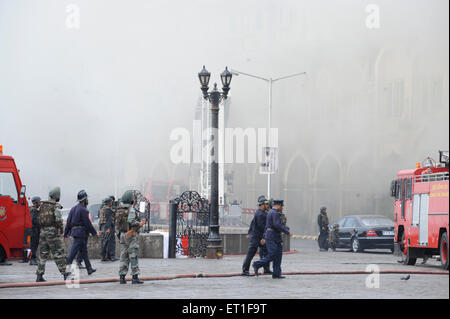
(122, 218)
(47, 216)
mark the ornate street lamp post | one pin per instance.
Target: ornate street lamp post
(214, 247)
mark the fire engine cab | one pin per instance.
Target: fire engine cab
(421, 210)
(15, 219)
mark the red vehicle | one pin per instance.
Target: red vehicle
(159, 193)
(421, 210)
(15, 219)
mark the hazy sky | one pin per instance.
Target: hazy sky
(81, 106)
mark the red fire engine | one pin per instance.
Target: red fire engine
(15, 219)
(421, 210)
(159, 194)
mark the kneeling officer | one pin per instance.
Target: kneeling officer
(128, 226)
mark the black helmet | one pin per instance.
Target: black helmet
(128, 197)
(107, 200)
(82, 195)
(35, 199)
(112, 197)
(261, 200)
(55, 193)
(323, 208)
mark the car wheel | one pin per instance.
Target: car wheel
(444, 251)
(356, 245)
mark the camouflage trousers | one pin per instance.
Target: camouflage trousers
(129, 251)
(50, 241)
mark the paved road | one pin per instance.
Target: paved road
(294, 286)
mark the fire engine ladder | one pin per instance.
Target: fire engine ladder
(436, 177)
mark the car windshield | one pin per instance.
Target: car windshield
(376, 221)
(8, 186)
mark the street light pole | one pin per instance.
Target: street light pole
(270, 81)
(214, 249)
(268, 133)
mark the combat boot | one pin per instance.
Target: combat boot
(40, 278)
(255, 269)
(136, 280)
(80, 265)
(122, 279)
(90, 271)
(267, 272)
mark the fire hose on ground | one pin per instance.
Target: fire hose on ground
(218, 275)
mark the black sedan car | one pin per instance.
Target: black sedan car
(361, 232)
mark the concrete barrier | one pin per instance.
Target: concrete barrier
(151, 245)
(237, 244)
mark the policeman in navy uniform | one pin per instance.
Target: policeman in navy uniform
(35, 230)
(79, 226)
(273, 240)
(256, 232)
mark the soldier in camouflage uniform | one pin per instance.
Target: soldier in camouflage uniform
(283, 218)
(334, 236)
(111, 253)
(51, 227)
(101, 227)
(128, 226)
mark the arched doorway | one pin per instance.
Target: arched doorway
(297, 195)
(327, 190)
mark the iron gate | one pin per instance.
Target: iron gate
(189, 229)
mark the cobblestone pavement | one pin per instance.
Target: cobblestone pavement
(307, 257)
